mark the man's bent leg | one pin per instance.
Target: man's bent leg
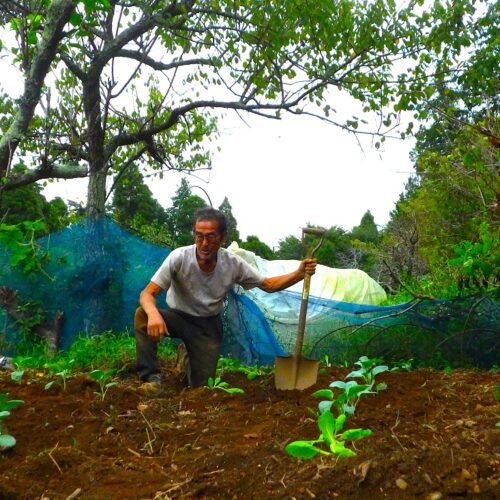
(202, 338)
(146, 348)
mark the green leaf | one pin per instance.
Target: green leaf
(7, 441)
(323, 393)
(339, 423)
(235, 390)
(326, 424)
(338, 448)
(75, 19)
(17, 375)
(302, 449)
(32, 38)
(12, 404)
(325, 406)
(4, 413)
(338, 384)
(352, 434)
(379, 369)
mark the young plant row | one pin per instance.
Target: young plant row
(337, 405)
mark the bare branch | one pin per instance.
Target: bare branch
(63, 171)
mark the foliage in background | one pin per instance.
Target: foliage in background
(232, 225)
(180, 215)
(258, 247)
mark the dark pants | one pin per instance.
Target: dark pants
(201, 336)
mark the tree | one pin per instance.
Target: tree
(180, 215)
(232, 226)
(253, 244)
(367, 230)
(137, 82)
(132, 197)
(28, 204)
(290, 248)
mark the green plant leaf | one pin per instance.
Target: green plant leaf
(7, 441)
(353, 434)
(379, 369)
(338, 384)
(323, 393)
(235, 390)
(17, 375)
(12, 404)
(326, 424)
(339, 423)
(338, 448)
(325, 406)
(4, 413)
(302, 449)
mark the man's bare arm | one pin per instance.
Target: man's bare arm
(277, 283)
(157, 328)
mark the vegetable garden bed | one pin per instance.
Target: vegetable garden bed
(435, 435)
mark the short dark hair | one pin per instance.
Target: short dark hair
(208, 213)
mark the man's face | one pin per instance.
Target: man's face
(208, 240)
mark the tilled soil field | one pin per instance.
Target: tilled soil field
(434, 436)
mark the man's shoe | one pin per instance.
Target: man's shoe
(153, 387)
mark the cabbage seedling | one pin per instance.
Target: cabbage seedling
(368, 370)
(330, 438)
(103, 378)
(217, 383)
(346, 401)
(63, 375)
(6, 440)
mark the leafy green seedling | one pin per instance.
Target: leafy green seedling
(346, 401)
(63, 375)
(405, 365)
(331, 438)
(234, 365)
(16, 376)
(368, 370)
(6, 440)
(103, 378)
(217, 383)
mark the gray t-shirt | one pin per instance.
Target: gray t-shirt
(196, 292)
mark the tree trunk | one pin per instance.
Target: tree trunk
(96, 195)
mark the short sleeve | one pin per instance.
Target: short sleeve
(164, 274)
(247, 276)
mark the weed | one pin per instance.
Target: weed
(217, 383)
(103, 378)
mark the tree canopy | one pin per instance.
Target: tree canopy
(137, 82)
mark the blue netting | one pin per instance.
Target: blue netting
(97, 271)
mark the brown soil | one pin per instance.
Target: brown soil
(434, 436)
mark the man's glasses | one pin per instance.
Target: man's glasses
(210, 237)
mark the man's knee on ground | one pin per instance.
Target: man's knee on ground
(140, 320)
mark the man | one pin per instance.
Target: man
(196, 278)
